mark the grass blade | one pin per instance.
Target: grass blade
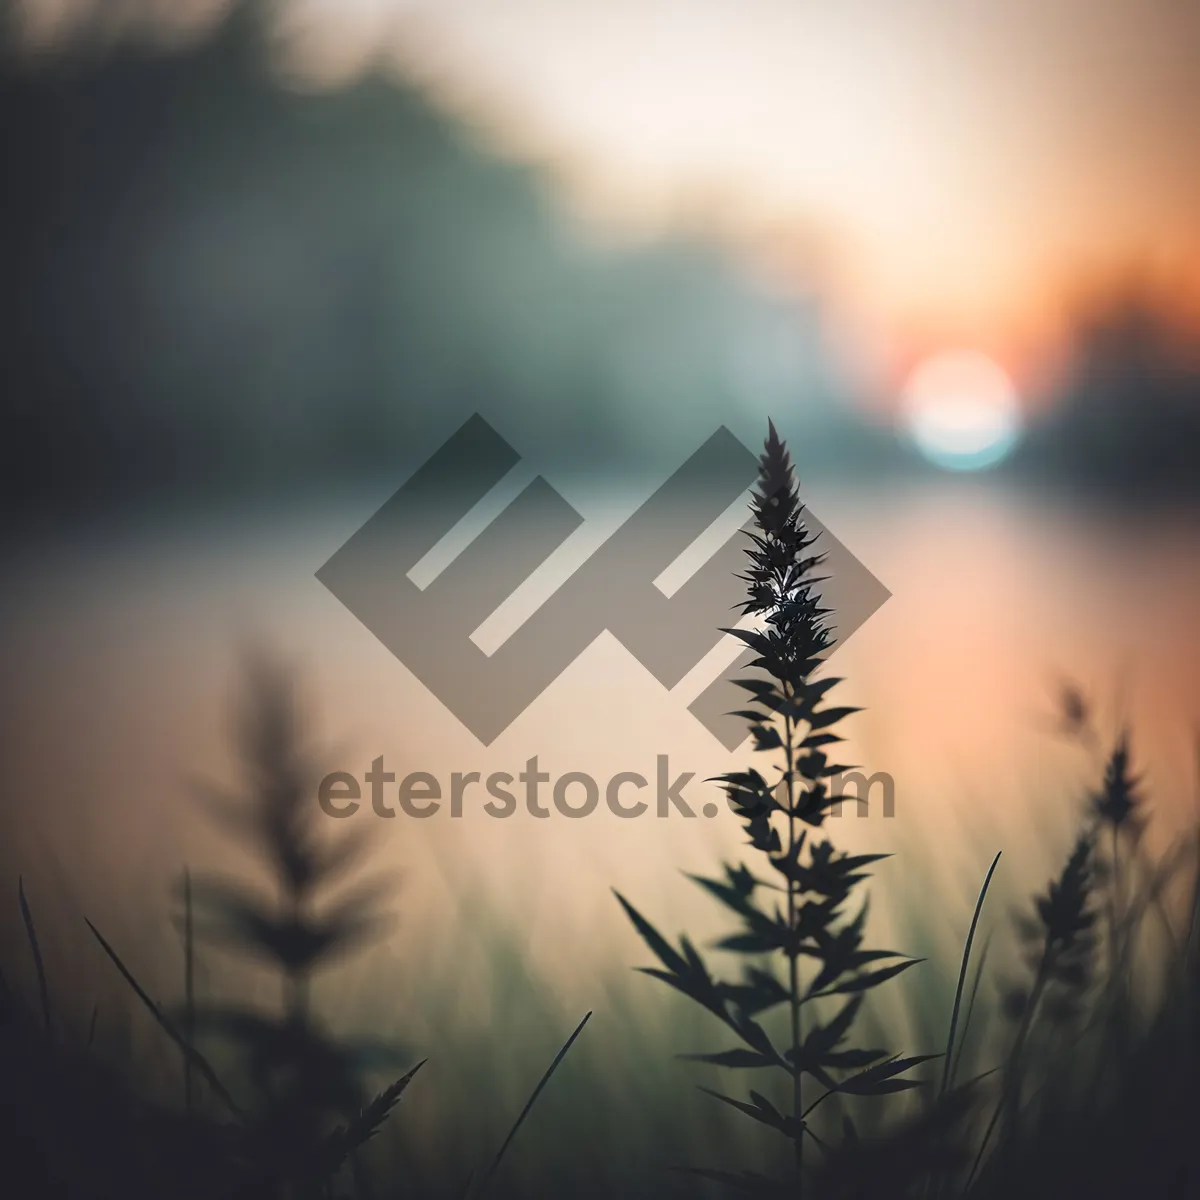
(962, 974)
(962, 1041)
(189, 1052)
(31, 931)
(537, 1091)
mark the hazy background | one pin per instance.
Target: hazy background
(258, 266)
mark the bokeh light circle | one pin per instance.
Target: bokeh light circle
(961, 411)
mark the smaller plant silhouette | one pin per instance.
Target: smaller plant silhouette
(311, 1110)
(798, 915)
(1058, 949)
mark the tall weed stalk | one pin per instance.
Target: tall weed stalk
(799, 943)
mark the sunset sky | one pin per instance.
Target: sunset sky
(947, 174)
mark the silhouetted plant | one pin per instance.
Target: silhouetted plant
(1106, 1106)
(1058, 942)
(1118, 803)
(1117, 809)
(311, 1110)
(1058, 951)
(1130, 881)
(788, 716)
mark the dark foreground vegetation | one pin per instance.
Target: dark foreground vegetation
(1088, 1089)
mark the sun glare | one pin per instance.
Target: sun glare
(961, 411)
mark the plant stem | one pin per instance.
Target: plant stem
(794, 960)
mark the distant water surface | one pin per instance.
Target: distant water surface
(121, 649)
